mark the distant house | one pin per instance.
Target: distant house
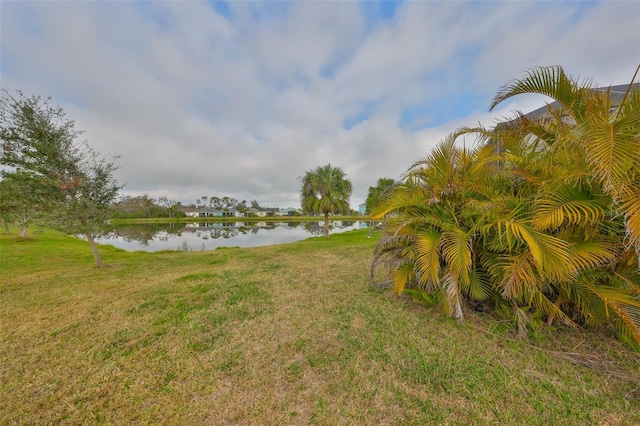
(290, 211)
(362, 208)
(616, 93)
(257, 213)
(189, 211)
(232, 213)
(208, 212)
(271, 211)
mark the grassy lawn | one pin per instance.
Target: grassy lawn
(288, 334)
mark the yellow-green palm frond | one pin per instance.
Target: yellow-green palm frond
(438, 168)
(513, 274)
(541, 303)
(564, 206)
(549, 81)
(480, 287)
(536, 134)
(485, 160)
(590, 307)
(628, 265)
(587, 255)
(400, 277)
(623, 304)
(481, 132)
(457, 251)
(630, 207)
(520, 282)
(427, 256)
(551, 254)
(441, 158)
(612, 148)
(401, 197)
(630, 103)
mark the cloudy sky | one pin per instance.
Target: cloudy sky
(240, 98)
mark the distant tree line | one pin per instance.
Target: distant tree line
(225, 202)
(143, 206)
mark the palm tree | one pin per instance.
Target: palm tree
(433, 232)
(607, 134)
(325, 190)
(590, 195)
(528, 221)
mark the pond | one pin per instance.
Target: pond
(198, 236)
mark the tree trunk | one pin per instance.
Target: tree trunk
(326, 224)
(6, 226)
(94, 250)
(23, 230)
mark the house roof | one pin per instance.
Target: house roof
(616, 94)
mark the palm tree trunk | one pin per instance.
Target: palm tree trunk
(326, 224)
(94, 250)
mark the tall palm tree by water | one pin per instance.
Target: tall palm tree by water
(325, 190)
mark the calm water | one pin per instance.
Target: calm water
(211, 235)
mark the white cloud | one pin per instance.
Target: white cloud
(197, 103)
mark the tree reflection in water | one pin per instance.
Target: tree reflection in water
(261, 232)
(145, 233)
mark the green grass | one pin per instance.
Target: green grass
(288, 334)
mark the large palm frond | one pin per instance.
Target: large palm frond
(427, 256)
(624, 305)
(518, 280)
(568, 206)
(549, 81)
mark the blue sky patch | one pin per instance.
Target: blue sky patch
(5, 62)
(269, 10)
(26, 17)
(433, 113)
(351, 121)
(377, 11)
(76, 102)
(162, 18)
(331, 68)
(387, 9)
(259, 138)
(222, 7)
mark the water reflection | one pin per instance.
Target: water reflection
(210, 235)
